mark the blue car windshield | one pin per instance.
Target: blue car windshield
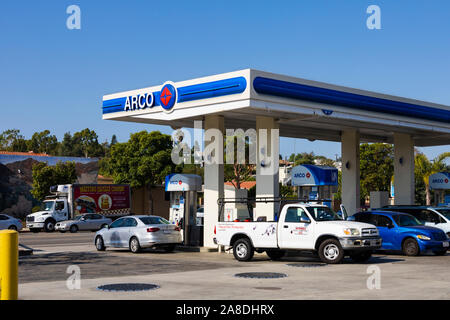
(404, 220)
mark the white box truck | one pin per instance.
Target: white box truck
(69, 200)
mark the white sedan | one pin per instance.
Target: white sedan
(136, 232)
(7, 222)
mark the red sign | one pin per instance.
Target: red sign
(100, 198)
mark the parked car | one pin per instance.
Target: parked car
(402, 231)
(438, 217)
(137, 232)
(11, 223)
(84, 222)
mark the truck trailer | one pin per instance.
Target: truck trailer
(67, 201)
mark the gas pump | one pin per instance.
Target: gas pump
(183, 190)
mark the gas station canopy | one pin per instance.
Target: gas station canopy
(183, 182)
(302, 108)
(440, 181)
(311, 175)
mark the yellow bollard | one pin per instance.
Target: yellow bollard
(9, 265)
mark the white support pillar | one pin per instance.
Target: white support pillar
(404, 184)
(350, 190)
(268, 153)
(214, 181)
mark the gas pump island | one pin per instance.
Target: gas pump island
(183, 189)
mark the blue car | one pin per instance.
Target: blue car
(401, 231)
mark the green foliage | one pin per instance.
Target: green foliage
(423, 169)
(81, 144)
(144, 160)
(302, 158)
(45, 176)
(376, 167)
(238, 172)
(36, 209)
(287, 191)
(43, 142)
(12, 140)
(310, 158)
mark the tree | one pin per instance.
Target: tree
(238, 172)
(302, 158)
(12, 140)
(143, 161)
(86, 143)
(324, 161)
(45, 176)
(43, 142)
(376, 167)
(424, 168)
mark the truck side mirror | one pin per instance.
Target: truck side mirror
(305, 220)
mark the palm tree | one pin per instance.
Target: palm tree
(425, 168)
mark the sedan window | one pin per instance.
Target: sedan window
(154, 220)
(3, 217)
(118, 223)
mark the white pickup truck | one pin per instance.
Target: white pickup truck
(303, 227)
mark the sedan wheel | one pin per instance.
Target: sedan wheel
(134, 245)
(13, 228)
(99, 244)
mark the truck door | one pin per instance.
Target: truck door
(297, 229)
(61, 210)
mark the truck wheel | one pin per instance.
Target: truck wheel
(276, 254)
(135, 247)
(73, 229)
(99, 244)
(331, 252)
(410, 247)
(361, 257)
(243, 250)
(49, 225)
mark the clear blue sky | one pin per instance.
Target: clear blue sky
(54, 78)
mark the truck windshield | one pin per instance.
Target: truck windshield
(444, 212)
(323, 214)
(48, 205)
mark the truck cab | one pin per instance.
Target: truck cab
(301, 227)
(52, 211)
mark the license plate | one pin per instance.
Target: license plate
(445, 244)
(167, 231)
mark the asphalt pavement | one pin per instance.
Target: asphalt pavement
(211, 275)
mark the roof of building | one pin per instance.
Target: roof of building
(29, 153)
(244, 184)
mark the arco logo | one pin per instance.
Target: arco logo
(168, 96)
(308, 175)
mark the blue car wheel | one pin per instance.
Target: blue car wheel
(410, 247)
